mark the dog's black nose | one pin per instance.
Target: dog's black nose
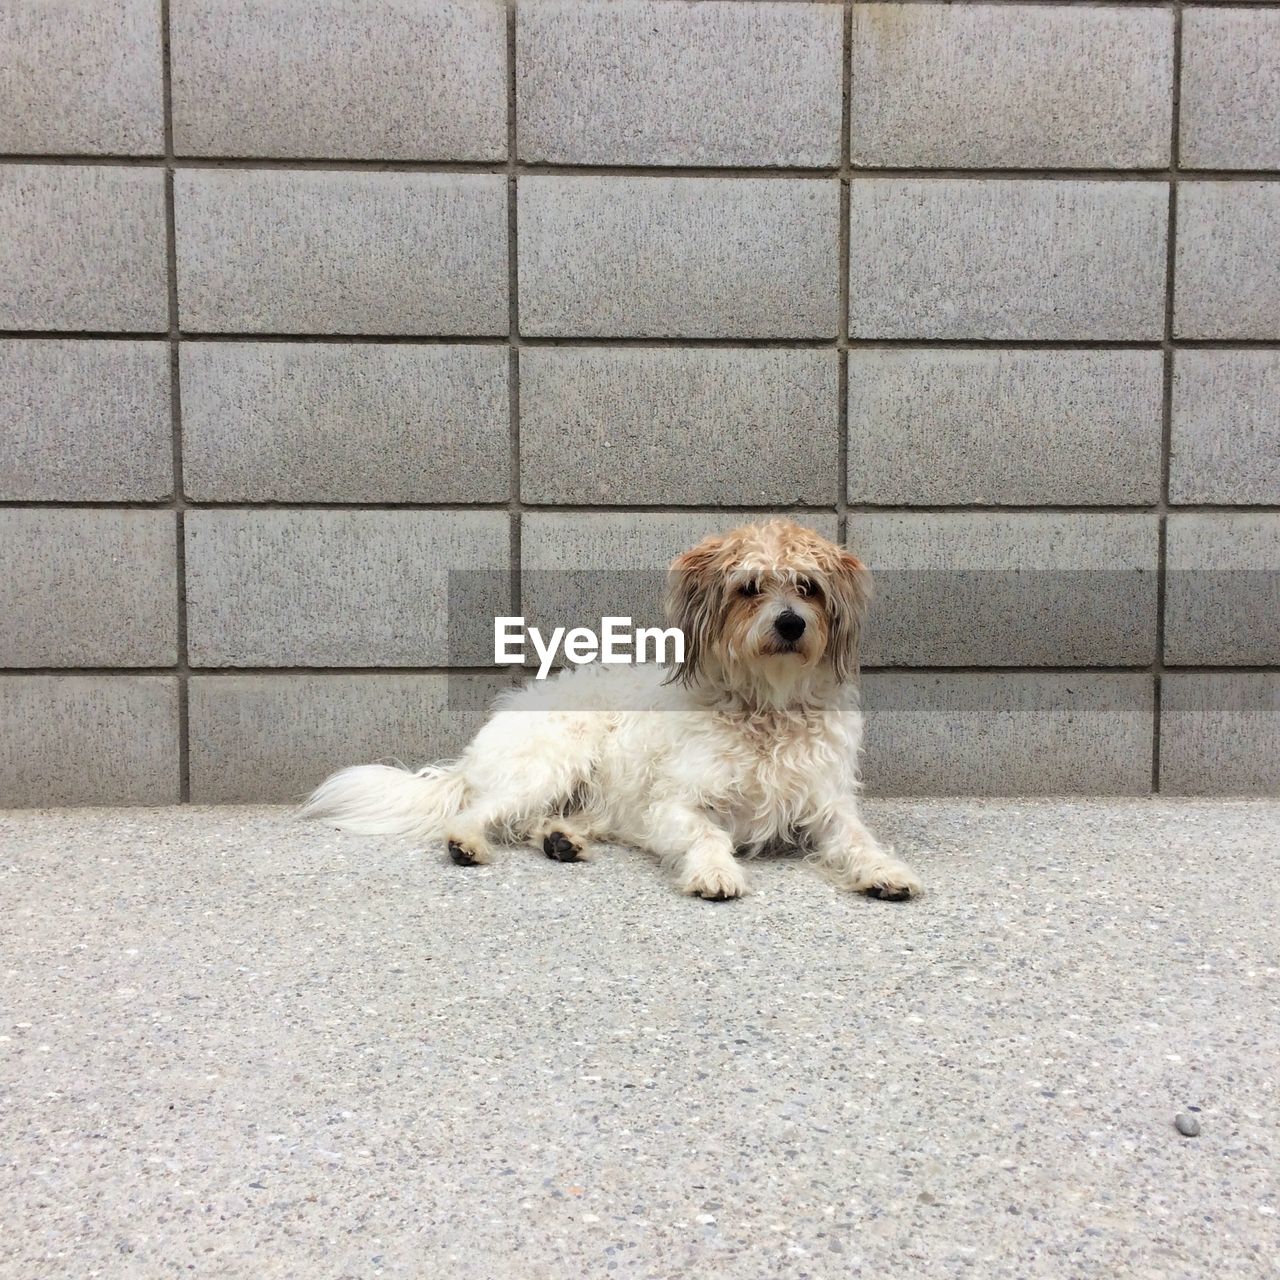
(790, 626)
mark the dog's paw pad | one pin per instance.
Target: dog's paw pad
(462, 856)
(888, 892)
(561, 848)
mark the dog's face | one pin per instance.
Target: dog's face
(766, 604)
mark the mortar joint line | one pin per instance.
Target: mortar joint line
(1166, 417)
(178, 505)
(515, 507)
(537, 168)
(230, 671)
(842, 284)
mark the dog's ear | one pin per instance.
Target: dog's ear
(695, 598)
(848, 594)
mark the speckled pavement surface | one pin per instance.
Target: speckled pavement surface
(232, 1045)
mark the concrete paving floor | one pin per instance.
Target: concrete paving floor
(234, 1045)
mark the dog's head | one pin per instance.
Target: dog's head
(766, 606)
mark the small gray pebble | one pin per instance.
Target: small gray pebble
(1187, 1125)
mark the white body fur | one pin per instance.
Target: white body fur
(692, 773)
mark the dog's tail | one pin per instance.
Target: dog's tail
(377, 800)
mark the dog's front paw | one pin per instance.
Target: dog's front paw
(889, 880)
(717, 883)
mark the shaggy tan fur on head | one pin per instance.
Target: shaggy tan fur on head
(727, 594)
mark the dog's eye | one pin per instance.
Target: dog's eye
(805, 587)
(749, 589)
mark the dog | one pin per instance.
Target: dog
(752, 742)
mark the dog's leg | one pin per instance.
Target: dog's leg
(468, 834)
(856, 860)
(520, 767)
(563, 839)
(700, 852)
(512, 792)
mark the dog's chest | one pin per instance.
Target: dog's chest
(774, 772)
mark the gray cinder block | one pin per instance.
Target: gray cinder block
(70, 740)
(1229, 117)
(678, 257)
(627, 540)
(983, 258)
(304, 251)
(272, 739)
(634, 82)
(82, 247)
(336, 422)
(668, 426)
(1220, 733)
(297, 78)
(88, 588)
(988, 589)
(1017, 86)
(1226, 427)
(1012, 733)
(1222, 589)
(1227, 270)
(84, 421)
(580, 567)
(344, 588)
(940, 427)
(81, 77)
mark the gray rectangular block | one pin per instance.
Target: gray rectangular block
(71, 740)
(1011, 87)
(81, 77)
(84, 421)
(1230, 112)
(344, 588)
(631, 540)
(634, 82)
(1227, 270)
(944, 427)
(1226, 427)
(577, 568)
(1009, 734)
(1220, 734)
(272, 739)
(422, 80)
(262, 251)
(82, 247)
(970, 258)
(88, 588)
(669, 426)
(1222, 590)
(339, 422)
(982, 589)
(678, 257)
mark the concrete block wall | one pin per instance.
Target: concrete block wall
(304, 303)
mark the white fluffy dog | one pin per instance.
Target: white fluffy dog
(752, 742)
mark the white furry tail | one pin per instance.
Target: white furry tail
(377, 800)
